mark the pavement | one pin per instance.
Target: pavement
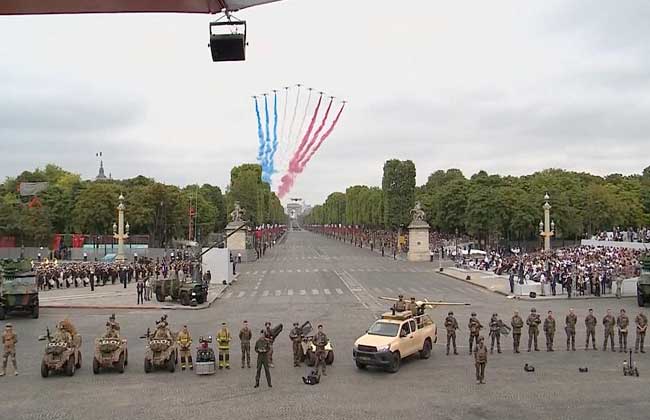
(310, 277)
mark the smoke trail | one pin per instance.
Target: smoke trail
(285, 186)
(274, 146)
(284, 113)
(266, 176)
(303, 142)
(322, 139)
(260, 133)
(293, 139)
(316, 133)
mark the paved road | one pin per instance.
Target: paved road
(309, 277)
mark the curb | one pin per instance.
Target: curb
(498, 292)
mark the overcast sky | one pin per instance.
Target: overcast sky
(509, 87)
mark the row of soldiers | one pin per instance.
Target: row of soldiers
(549, 324)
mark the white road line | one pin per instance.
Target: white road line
(303, 292)
(297, 271)
(272, 271)
(241, 294)
(314, 291)
(327, 291)
(228, 295)
(324, 270)
(253, 293)
(281, 271)
(278, 292)
(254, 272)
(265, 293)
(290, 292)
(315, 270)
(339, 291)
(289, 271)
(263, 271)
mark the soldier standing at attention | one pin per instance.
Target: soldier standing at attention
(262, 346)
(320, 341)
(480, 360)
(451, 325)
(474, 330)
(549, 330)
(140, 291)
(608, 325)
(245, 336)
(622, 322)
(517, 324)
(269, 336)
(400, 305)
(495, 332)
(185, 344)
(590, 324)
(296, 341)
(413, 307)
(641, 326)
(223, 342)
(570, 328)
(9, 340)
(533, 322)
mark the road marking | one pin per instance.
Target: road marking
(278, 292)
(327, 291)
(253, 293)
(303, 292)
(263, 271)
(297, 271)
(324, 270)
(281, 271)
(315, 270)
(289, 271)
(241, 294)
(314, 291)
(228, 295)
(339, 291)
(265, 293)
(290, 292)
(272, 271)
(254, 272)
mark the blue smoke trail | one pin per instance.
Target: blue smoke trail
(274, 147)
(260, 133)
(266, 175)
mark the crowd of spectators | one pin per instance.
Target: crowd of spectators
(641, 234)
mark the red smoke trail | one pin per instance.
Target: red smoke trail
(314, 137)
(322, 139)
(298, 153)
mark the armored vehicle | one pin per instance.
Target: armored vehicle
(63, 351)
(187, 289)
(161, 351)
(643, 284)
(110, 353)
(18, 288)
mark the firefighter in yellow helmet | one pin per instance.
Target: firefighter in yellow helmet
(184, 340)
(223, 344)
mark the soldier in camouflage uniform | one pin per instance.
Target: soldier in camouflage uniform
(245, 336)
(400, 305)
(320, 341)
(474, 330)
(622, 322)
(451, 325)
(609, 322)
(641, 322)
(480, 360)
(495, 333)
(262, 346)
(296, 341)
(533, 322)
(517, 324)
(570, 328)
(549, 330)
(590, 324)
(9, 340)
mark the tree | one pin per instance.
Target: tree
(398, 186)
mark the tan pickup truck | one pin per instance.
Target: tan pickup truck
(393, 338)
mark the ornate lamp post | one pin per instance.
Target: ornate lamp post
(120, 232)
(547, 227)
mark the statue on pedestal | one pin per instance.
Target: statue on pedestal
(417, 213)
(237, 215)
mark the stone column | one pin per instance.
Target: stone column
(418, 241)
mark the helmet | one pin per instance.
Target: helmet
(533, 310)
(473, 313)
(450, 313)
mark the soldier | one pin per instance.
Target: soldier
(269, 336)
(480, 360)
(451, 325)
(590, 324)
(622, 322)
(495, 332)
(320, 341)
(62, 334)
(549, 330)
(474, 330)
(245, 336)
(296, 340)
(223, 342)
(9, 340)
(570, 329)
(517, 324)
(533, 322)
(262, 346)
(184, 340)
(641, 326)
(400, 305)
(413, 307)
(113, 325)
(608, 326)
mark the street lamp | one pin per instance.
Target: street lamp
(119, 231)
(547, 227)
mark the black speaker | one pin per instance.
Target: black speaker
(228, 47)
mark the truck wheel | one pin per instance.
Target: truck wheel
(147, 366)
(35, 312)
(639, 299)
(126, 358)
(69, 366)
(394, 366)
(200, 299)
(185, 299)
(159, 296)
(330, 358)
(360, 365)
(95, 366)
(44, 370)
(425, 353)
(78, 364)
(120, 364)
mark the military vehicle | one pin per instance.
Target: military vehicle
(110, 353)
(643, 284)
(161, 351)
(18, 288)
(62, 352)
(190, 288)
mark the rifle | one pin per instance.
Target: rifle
(147, 335)
(46, 335)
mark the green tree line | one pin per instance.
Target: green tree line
(73, 205)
